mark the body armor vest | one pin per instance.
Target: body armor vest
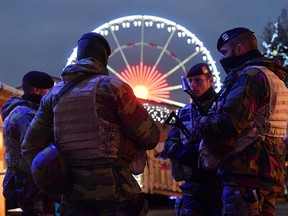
(77, 128)
(271, 120)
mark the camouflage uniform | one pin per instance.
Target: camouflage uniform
(201, 190)
(92, 123)
(246, 128)
(18, 184)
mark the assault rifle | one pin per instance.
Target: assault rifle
(174, 120)
(191, 151)
(186, 88)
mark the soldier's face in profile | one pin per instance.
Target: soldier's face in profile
(200, 84)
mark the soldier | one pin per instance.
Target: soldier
(201, 190)
(247, 125)
(17, 113)
(98, 124)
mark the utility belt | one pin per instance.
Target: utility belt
(252, 196)
(249, 195)
(92, 161)
(241, 201)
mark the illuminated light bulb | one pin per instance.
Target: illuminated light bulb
(275, 52)
(141, 91)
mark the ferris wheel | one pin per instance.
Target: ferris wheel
(151, 54)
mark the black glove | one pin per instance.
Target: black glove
(189, 155)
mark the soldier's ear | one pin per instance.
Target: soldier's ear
(240, 49)
(36, 90)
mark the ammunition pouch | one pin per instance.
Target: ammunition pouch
(208, 160)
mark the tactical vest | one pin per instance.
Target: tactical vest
(271, 120)
(79, 132)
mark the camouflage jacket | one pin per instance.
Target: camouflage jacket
(177, 140)
(17, 113)
(18, 184)
(245, 94)
(115, 105)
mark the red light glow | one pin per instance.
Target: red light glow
(146, 81)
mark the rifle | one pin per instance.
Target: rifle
(174, 120)
(191, 151)
(186, 88)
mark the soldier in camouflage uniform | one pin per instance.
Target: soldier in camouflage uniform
(96, 126)
(247, 125)
(17, 113)
(201, 190)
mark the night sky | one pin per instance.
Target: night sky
(41, 35)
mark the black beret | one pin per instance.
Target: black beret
(198, 69)
(227, 35)
(96, 38)
(38, 79)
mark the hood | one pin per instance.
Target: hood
(11, 104)
(88, 65)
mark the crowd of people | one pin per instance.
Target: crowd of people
(91, 127)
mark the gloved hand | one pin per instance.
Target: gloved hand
(189, 155)
(196, 133)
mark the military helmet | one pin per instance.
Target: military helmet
(50, 171)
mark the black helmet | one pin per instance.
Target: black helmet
(50, 172)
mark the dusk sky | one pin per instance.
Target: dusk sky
(41, 35)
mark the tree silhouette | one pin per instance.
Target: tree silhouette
(275, 40)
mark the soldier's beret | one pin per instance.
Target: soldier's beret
(38, 79)
(198, 69)
(227, 35)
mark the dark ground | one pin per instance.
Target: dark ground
(163, 206)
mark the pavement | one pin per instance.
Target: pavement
(162, 206)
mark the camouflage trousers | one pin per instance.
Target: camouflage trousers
(241, 201)
(133, 207)
(199, 199)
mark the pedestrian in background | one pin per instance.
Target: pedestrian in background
(201, 190)
(17, 113)
(247, 125)
(98, 124)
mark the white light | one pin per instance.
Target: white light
(160, 25)
(141, 91)
(125, 24)
(148, 23)
(137, 23)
